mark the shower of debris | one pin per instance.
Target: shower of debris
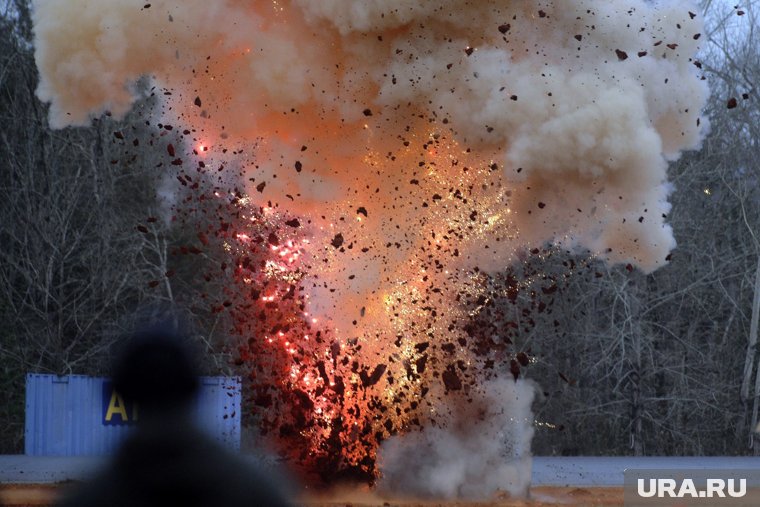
(403, 162)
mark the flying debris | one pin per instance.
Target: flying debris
(481, 140)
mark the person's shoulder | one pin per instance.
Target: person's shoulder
(254, 484)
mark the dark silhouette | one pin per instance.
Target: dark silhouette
(167, 461)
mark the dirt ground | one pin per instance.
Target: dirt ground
(45, 494)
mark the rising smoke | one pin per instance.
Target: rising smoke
(485, 448)
(425, 144)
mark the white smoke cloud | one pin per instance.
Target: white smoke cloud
(403, 107)
(483, 448)
(542, 83)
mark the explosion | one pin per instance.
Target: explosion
(400, 157)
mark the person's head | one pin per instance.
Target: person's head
(156, 370)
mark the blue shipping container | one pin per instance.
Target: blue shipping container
(74, 415)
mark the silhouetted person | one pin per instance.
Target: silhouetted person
(168, 461)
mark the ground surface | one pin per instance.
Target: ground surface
(17, 495)
(563, 481)
(579, 471)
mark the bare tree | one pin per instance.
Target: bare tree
(77, 257)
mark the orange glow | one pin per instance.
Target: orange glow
(200, 148)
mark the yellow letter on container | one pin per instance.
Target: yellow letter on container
(116, 406)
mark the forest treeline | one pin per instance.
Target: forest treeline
(628, 364)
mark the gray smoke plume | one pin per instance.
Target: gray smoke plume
(484, 448)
